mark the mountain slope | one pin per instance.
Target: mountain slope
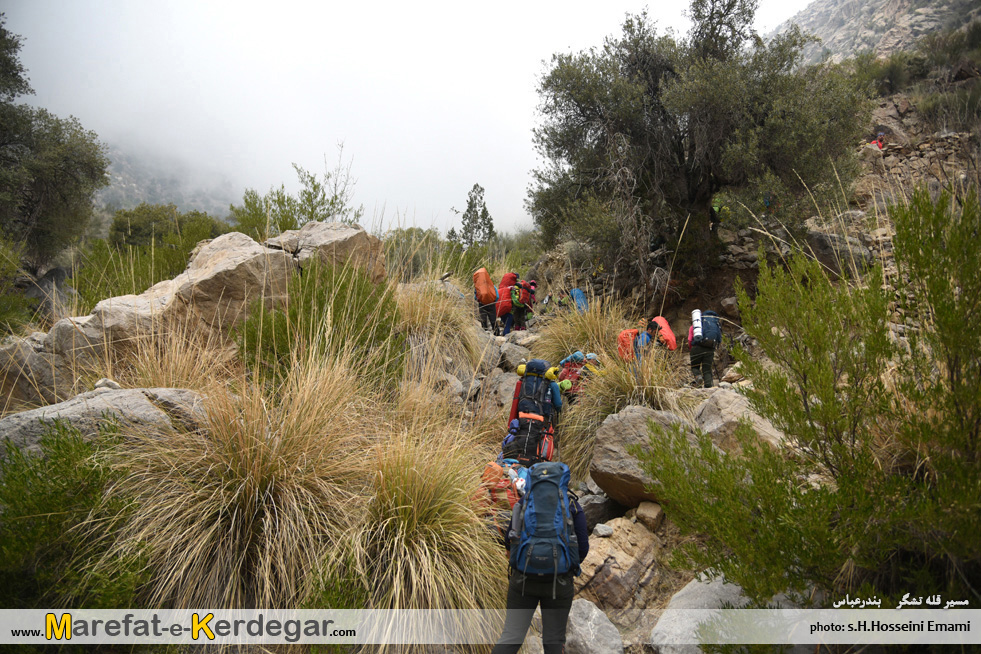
(849, 27)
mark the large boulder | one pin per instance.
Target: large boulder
(676, 630)
(222, 280)
(512, 355)
(227, 275)
(613, 468)
(618, 570)
(721, 413)
(30, 374)
(160, 409)
(590, 632)
(336, 244)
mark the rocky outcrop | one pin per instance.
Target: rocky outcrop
(613, 468)
(721, 413)
(496, 393)
(222, 280)
(848, 27)
(676, 630)
(154, 409)
(336, 244)
(619, 570)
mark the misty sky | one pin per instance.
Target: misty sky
(427, 98)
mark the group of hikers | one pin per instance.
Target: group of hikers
(512, 301)
(526, 492)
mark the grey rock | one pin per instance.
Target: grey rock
(513, 355)
(839, 254)
(616, 471)
(675, 632)
(154, 409)
(590, 631)
(600, 508)
(603, 531)
(719, 415)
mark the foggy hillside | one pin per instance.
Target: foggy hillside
(141, 177)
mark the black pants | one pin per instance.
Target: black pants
(520, 317)
(701, 363)
(488, 317)
(524, 595)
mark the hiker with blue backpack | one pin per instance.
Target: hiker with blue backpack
(704, 335)
(547, 541)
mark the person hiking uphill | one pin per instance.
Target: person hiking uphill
(485, 293)
(536, 404)
(631, 343)
(703, 336)
(504, 307)
(522, 299)
(546, 541)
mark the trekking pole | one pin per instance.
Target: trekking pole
(667, 282)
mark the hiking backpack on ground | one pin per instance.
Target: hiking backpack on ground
(543, 536)
(625, 344)
(484, 288)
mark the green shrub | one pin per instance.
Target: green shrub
(957, 110)
(52, 521)
(109, 271)
(878, 487)
(15, 309)
(332, 309)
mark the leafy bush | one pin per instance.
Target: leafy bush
(892, 74)
(340, 302)
(152, 222)
(50, 508)
(877, 489)
(958, 110)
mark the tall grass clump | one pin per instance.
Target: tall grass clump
(51, 502)
(180, 355)
(328, 309)
(619, 384)
(421, 544)
(240, 512)
(438, 324)
(878, 488)
(15, 308)
(594, 330)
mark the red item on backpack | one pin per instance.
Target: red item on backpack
(625, 344)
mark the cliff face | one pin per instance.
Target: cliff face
(849, 27)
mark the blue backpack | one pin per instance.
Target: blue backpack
(711, 331)
(543, 537)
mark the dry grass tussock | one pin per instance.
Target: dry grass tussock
(181, 356)
(240, 513)
(421, 544)
(594, 330)
(620, 384)
(438, 325)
